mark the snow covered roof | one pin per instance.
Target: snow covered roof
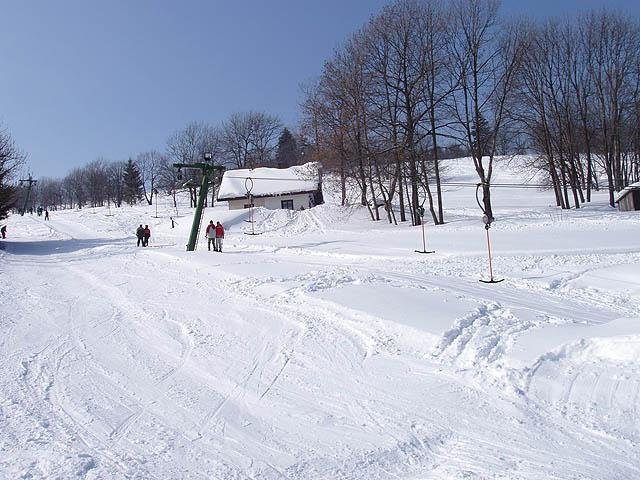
(269, 182)
(625, 190)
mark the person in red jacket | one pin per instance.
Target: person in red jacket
(219, 236)
(146, 235)
(211, 236)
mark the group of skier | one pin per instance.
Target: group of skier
(215, 235)
(143, 235)
(40, 211)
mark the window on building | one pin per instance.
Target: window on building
(248, 205)
(287, 204)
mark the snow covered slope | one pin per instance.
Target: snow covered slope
(325, 347)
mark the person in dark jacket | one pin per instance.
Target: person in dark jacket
(3, 231)
(46, 215)
(146, 235)
(140, 235)
(211, 236)
(219, 236)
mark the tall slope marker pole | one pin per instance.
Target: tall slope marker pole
(486, 219)
(424, 238)
(208, 176)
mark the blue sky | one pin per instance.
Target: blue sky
(83, 79)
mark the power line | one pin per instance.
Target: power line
(498, 185)
(444, 184)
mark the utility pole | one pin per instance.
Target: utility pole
(30, 181)
(209, 172)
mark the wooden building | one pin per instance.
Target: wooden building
(628, 199)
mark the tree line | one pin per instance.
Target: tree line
(245, 140)
(424, 79)
(421, 82)
(11, 159)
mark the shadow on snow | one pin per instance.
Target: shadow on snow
(53, 247)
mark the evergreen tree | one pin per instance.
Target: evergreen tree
(288, 153)
(132, 188)
(8, 198)
(482, 136)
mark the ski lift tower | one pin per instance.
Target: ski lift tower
(209, 174)
(30, 182)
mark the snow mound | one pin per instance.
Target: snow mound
(593, 382)
(287, 223)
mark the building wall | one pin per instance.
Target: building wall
(300, 200)
(630, 202)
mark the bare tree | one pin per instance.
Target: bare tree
(95, 176)
(168, 179)
(324, 134)
(406, 56)
(396, 57)
(249, 139)
(613, 43)
(11, 158)
(75, 185)
(577, 98)
(237, 140)
(265, 130)
(49, 193)
(378, 109)
(486, 57)
(150, 165)
(115, 182)
(189, 146)
(191, 143)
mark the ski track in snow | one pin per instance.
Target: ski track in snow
(151, 363)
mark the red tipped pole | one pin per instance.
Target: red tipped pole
(252, 231)
(491, 279)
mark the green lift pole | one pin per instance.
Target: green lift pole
(197, 217)
(208, 175)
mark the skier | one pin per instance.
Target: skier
(219, 237)
(147, 234)
(46, 215)
(3, 231)
(211, 236)
(140, 235)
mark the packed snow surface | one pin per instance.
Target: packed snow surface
(325, 347)
(268, 181)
